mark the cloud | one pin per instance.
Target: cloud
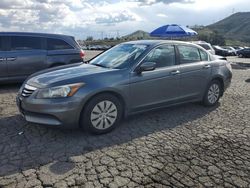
(12, 4)
(151, 2)
(110, 19)
(162, 15)
(83, 18)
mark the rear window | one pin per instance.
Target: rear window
(26, 43)
(57, 44)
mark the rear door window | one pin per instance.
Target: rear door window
(26, 43)
(57, 44)
(189, 54)
(204, 55)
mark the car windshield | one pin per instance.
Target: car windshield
(119, 56)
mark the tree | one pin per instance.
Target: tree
(214, 38)
(89, 38)
(203, 37)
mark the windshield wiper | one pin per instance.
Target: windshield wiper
(99, 65)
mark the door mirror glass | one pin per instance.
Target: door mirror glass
(147, 66)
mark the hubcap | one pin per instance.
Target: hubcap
(104, 115)
(213, 93)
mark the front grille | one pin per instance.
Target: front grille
(28, 90)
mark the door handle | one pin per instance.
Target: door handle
(175, 72)
(207, 66)
(11, 58)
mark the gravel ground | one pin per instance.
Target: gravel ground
(183, 146)
(235, 59)
(89, 54)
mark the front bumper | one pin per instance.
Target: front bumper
(54, 112)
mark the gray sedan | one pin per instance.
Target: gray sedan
(129, 78)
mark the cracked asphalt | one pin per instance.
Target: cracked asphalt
(183, 146)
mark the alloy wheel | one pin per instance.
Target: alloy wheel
(104, 115)
(213, 93)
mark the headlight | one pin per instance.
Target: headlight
(59, 91)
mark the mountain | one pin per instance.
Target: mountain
(137, 35)
(235, 27)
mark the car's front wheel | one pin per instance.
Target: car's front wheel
(213, 93)
(102, 114)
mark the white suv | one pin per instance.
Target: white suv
(206, 46)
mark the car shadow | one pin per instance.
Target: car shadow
(25, 146)
(7, 88)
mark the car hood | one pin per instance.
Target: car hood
(64, 75)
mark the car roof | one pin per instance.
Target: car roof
(200, 42)
(34, 34)
(158, 42)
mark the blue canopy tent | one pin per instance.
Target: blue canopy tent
(173, 31)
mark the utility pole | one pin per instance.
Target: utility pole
(117, 34)
(102, 33)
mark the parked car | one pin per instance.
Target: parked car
(206, 46)
(106, 47)
(22, 54)
(84, 47)
(244, 52)
(231, 50)
(129, 78)
(221, 51)
(238, 48)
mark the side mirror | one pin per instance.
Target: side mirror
(147, 66)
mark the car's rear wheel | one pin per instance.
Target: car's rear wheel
(240, 55)
(213, 93)
(102, 114)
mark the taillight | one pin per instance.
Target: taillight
(82, 54)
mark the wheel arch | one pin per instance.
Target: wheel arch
(119, 96)
(220, 79)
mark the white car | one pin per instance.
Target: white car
(206, 46)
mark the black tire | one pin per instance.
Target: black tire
(207, 99)
(87, 123)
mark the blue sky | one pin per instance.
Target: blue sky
(82, 18)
